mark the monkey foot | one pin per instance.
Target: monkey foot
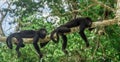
(19, 54)
(65, 51)
(55, 41)
(22, 45)
(87, 45)
(40, 56)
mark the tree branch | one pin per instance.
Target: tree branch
(103, 5)
(75, 29)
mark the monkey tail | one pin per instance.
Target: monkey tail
(9, 40)
(52, 36)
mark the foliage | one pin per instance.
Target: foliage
(103, 48)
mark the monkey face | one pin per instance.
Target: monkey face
(88, 22)
(42, 36)
(42, 33)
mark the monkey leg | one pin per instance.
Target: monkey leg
(20, 41)
(82, 28)
(35, 41)
(17, 49)
(84, 38)
(19, 44)
(64, 45)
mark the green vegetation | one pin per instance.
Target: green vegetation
(103, 48)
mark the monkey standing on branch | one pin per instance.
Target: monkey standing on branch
(28, 34)
(83, 23)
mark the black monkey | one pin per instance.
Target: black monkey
(83, 23)
(41, 33)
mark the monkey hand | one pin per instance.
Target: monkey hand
(65, 51)
(40, 56)
(87, 45)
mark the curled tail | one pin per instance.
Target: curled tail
(52, 36)
(9, 41)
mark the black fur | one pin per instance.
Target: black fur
(83, 23)
(28, 34)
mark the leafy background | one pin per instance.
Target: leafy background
(103, 48)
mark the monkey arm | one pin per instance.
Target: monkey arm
(35, 41)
